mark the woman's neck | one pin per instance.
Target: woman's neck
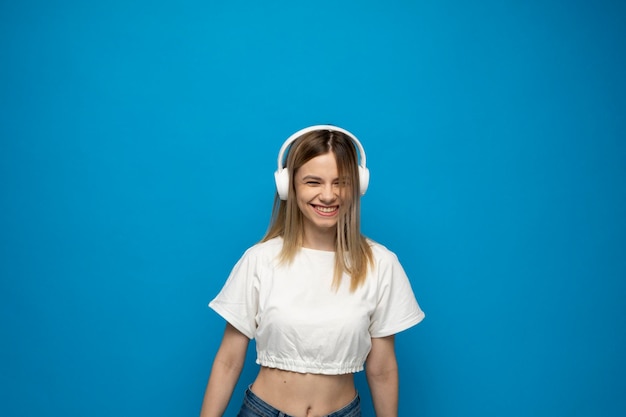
(319, 240)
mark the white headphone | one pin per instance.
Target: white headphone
(282, 174)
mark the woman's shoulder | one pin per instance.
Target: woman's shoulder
(265, 248)
(380, 251)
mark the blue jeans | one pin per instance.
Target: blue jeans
(253, 406)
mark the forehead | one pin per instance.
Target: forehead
(324, 165)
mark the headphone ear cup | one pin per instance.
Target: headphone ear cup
(364, 179)
(282, 183)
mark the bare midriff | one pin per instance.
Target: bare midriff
(304, 395)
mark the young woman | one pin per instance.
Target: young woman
(322, 301)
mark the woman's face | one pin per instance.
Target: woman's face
(320, 194)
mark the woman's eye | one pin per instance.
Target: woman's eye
(313, 182)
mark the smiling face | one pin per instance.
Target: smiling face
(320, 195)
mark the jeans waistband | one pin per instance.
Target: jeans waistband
(263, 409)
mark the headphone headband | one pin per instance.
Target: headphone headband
(295, 136)
(282, 174)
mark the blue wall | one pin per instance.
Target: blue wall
(138, 142)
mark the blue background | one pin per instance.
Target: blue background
(138, 143)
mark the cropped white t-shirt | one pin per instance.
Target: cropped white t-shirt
(300, 322)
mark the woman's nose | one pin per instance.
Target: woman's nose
(328, 193)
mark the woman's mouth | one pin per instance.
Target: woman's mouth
(326, 210)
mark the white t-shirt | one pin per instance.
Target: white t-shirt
(300, 323)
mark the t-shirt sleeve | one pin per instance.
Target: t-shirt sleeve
(396, 308)
(238, 300)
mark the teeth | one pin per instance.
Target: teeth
(326, 209)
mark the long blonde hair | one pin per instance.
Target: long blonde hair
(353, 254)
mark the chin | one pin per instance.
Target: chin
(327, 225)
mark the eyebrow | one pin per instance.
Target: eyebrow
(315, 177)
(311, 177)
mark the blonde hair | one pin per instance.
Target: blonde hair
(353, 254)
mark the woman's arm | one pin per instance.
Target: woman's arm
(227, 367)
(381, 369)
